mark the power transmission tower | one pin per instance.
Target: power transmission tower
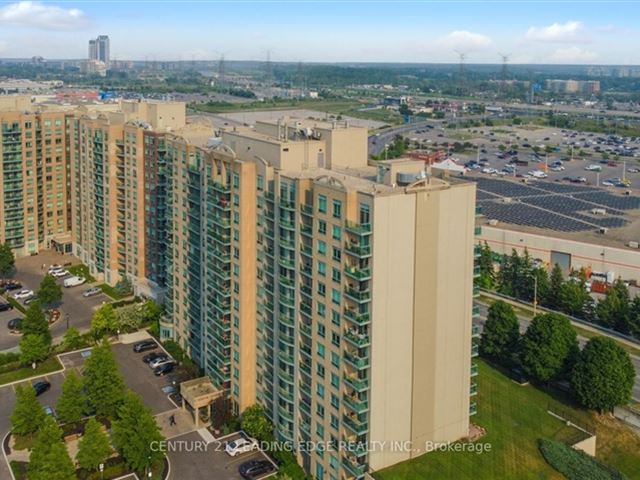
(503, 76)
(461, 73)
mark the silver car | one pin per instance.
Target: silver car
(90, 292)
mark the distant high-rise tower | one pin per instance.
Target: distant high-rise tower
(99, 49)
(93, 50)
(102, 44)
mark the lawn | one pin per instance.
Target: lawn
(515, 417)
(48, 366)
(81, 270)
(110, 291)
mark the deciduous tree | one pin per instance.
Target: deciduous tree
(94, 447)
(72, 404)
(501, 333)
(103, 381)
(28, 415)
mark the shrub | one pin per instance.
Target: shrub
(575, 464)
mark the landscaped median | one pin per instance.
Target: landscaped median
(516, 418)
(14, 372)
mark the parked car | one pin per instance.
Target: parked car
(255, 468)
(4, 307)
(241, 445)
(53, 315)
(164, 369)
(30, 300)
(90, 292)
(593, 168)
(161, 361)
(50, 411)
(54, 267)
(144, 346)
(10, 284)
(22, 294)
(41, 387)
(73, 281)
(150, 357)
(15, 325)
(59, 273)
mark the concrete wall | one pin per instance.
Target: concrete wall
(624, 262)
(392, 326)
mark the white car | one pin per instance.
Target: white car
(593, 168)
(22, 294)
(54, 267)
(558, 168)
(537, 174)
(161, 361)
(58, 273)
(241, 445)
(73, 281)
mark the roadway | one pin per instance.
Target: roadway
(524, 324)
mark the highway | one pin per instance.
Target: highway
(524, 323)
(378, 141)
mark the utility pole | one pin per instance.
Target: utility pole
(503, 76)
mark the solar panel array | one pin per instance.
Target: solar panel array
(553, 206)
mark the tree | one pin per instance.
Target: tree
(485, 262)
(124, 287)
(549, 347)
(603, 375)
(614, 310)
(28, 415)
(136, 434)
(634, 317)
(49, 458)
(542, 285)
(103, 382)
(501, 333)
(72, 340)
(72, 403)
(7, 259)
(33, 348)
(552, 299)
(35, 322)
(574, 298)
(103, 321)
(255, 423)
(93, 448)
(50, 291)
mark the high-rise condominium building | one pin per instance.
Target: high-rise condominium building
(99, 49)
(336, 294)
(33, 191)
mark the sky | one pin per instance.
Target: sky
(556, 32)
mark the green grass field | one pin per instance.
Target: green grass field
(515, 417)
(48, 366)
(81, 271)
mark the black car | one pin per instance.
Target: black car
(150, 357)
(5, 307)
(145, 345)
(15, 324)
(11, 285)
(41, 387)
(164, 369)
(255, 468)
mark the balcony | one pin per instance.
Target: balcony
(357, 273)
(359, 296)
(356, 317)
(473, 408)
(476, 271)
(477, 230)
(474, 369)
(357, 426)
(359, 361)
(306, 229)
(475, 348)
(306, 209)
(358, 250)
(357, 339)
(358, 228)
(475, 331)
(473, 389)
(355, 469)
(287, 205)
(355, 404)
(475, 311)
(358, 384)
(286, 358)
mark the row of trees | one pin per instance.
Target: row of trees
(601, 375)
(100, 391)
(108, 320)
(518, 277)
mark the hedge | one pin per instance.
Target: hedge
(575, 464)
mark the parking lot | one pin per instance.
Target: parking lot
(207, 459)
(576, 150)
(76, 309)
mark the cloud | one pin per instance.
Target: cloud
(573, 55)
(45, 17)
(464, 41)
(569, 32)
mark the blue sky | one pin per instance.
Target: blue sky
(605, 32)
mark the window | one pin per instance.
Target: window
(320, 350)
(335, 339)
(322, 268)
(322, 204)
(322, 289)
(320, 410)
(260, 182)
(337, 254)
(337, 209)
(335, 402)
(320, 370)
(335, 380)
(236, 180)
(320, 390)
(322, 227)
(335, 296)
(322, 247)
(335, 359)
(335, 317)
(336, 275)
(321, 309)
(321, 330)
(337, 232)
